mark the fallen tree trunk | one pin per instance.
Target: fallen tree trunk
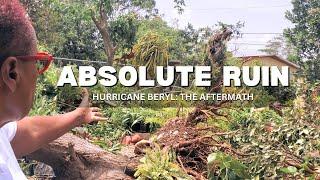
(74, 158)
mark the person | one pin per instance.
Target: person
(20, 65)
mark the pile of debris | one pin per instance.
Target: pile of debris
(191, 143)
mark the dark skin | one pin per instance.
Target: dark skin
(17, 88)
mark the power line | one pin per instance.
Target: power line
(83, 61)
(263, 33)
(250, 44)
(79, 60)
(249, 7)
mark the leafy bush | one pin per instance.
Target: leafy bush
(247, 116)
(282, 94)
(157, 116)
(135, 122)
(151, 51)
(270, 148)
(267, 115)
(43, 104)
(229, 168)
(271, 140)
(160, 165)
(105, 135)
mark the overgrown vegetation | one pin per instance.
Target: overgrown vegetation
(264, 143)
(275, 136)
(160, 164)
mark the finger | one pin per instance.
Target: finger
(84, 92)
(99, 114)
(95, 109)
(96, 118)
(85, 98)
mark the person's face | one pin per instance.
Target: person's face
(26, 89)
(19, 80)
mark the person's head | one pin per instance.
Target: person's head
(17, 77)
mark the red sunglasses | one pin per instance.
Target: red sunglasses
(43, 60)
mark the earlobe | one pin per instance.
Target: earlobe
(9, 73)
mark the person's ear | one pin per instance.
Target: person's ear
(10, 73)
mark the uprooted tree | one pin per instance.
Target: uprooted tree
(74, 158)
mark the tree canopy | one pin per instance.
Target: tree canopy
(305, 35)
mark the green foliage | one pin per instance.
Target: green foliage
(126, 117)
(179, 4)
(247, 116)
(229, 168)
(304, 36)
(66, 29)
(282, 94)
(43, 105)
(289, 170)
(271, 149)
(220, 122)
(131, 119)
(289, 136)
(45, 96)
(176, 46)
(26, 166)
(106, 135)
(159, 164)
(158, 115)
(161, 115)
(267, 115)
(261, 98)
(68, 97)
(194, 45)
(151, 51)
(112, 7)
(278, 46)
(123, 30)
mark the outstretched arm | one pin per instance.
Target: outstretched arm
(34, 132)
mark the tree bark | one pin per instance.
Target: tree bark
(74, 158)
(102, 24)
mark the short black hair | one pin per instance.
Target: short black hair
(13, 18)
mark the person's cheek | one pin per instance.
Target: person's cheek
(34, 85)
(33, 74)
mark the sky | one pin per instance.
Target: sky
(260, 16)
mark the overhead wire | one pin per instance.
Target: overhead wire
(248, 7)
(79, 60)
(262, 33)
